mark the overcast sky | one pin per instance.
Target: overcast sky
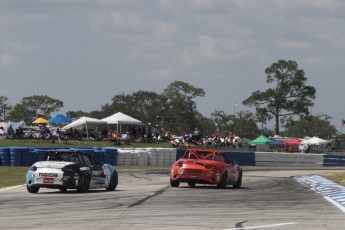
(84, 52)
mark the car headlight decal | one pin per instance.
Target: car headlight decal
(180, 171)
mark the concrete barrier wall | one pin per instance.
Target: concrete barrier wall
(25, 156)
(288, 159)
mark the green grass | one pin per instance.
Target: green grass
(336, 177)
(11, 176)
(74, 143)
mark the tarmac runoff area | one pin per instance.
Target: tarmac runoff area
(332, 191)
(269, 199)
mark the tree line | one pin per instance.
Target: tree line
(287, 101)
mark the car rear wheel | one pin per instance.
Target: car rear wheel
(224, 181)
(113, 182)
(32, 189)
(238, 183)
(63, 189)
(174, 183)
(191, 184)
(84, 183)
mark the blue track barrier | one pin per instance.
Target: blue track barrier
(16, 156)
(331, 159)
(5, 156)
(242, 158)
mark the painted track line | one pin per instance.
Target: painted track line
(261, 226)
(12, 187)
(331, 191)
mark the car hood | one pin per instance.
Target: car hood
(52, 164)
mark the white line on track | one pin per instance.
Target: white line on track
(12, 187)
(262, 226)
(342, 208)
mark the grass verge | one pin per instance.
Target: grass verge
(336, 177)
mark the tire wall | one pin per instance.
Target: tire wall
(5, 156)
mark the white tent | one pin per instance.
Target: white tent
(84, 122)
(320, 143)
(121, 119)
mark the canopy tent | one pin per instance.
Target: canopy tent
(314, 141)
(293, 141)
(85, 122)
(60, 118)
(15, 125)
(121, 119)
(40, 120)
(276, 143)
(320, 143)
(260, 140)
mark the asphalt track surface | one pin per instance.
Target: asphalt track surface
(144, 200)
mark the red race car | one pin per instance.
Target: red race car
(205, 167)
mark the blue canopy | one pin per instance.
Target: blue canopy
(60, 119)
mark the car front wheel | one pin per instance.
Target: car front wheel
(174, 183)
(238, 183)
(224, 181)
(113, 182)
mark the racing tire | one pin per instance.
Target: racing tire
(84, 183)
(113, 182)
(32, 189)
(238, 183)
(174, 183)
(63, 189)
(222, 184)
(191, 184)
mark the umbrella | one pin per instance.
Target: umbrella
(40, 120)
(60, 119)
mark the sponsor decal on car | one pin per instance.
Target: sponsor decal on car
(48, 180)
(48, 174)
(180, 171)
(84, 168)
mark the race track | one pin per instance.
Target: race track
(144, 200)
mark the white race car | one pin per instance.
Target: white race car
(70, 170)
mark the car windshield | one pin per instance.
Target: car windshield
(202, 155)
(63, 156)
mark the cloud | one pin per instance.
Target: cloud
(206, 51)
(295, 45)
(13, 45)
(158, 74)
(7, 59)
(138, 54)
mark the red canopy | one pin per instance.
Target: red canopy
(293, 141)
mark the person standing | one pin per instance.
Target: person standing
(156, 132)
(149, 133)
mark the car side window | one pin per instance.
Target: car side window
(216, 158)
(78, 160)
(222, 159)
(87, 160)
